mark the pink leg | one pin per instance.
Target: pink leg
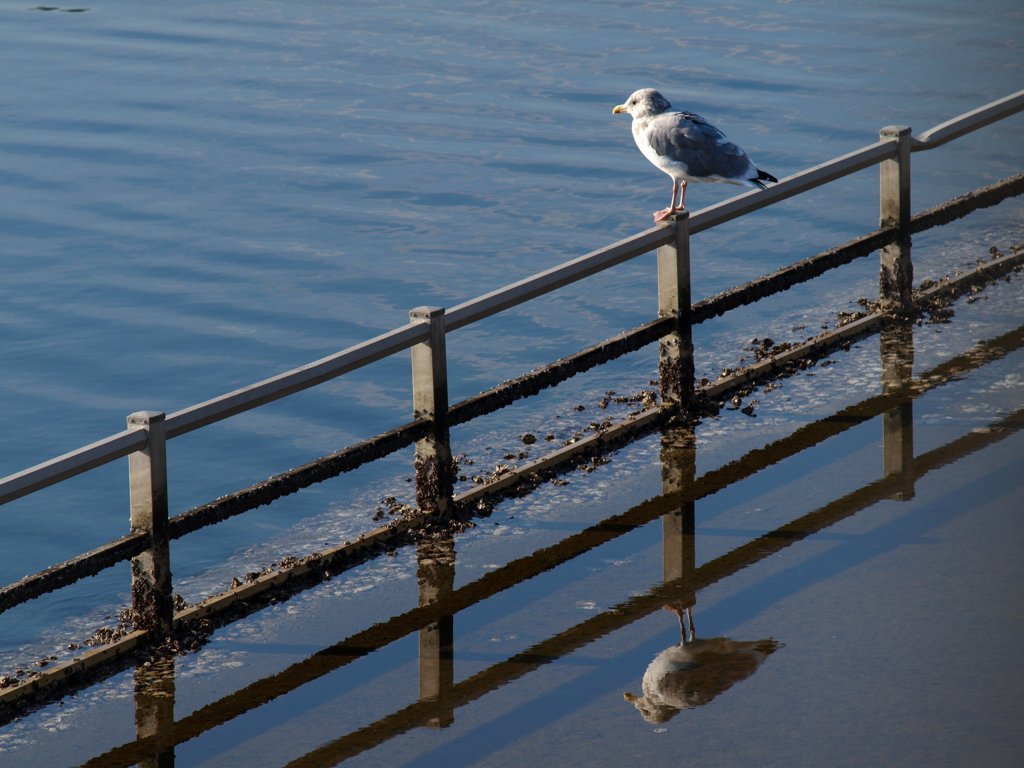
(679, 186)
(664, 214)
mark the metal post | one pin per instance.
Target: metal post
(152, 601)
(679, 557)
(436, 577)
(675, 366)
(154, 710)
(897, 346)
(435, 471)
(896, 276)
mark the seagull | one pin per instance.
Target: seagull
(686, 147)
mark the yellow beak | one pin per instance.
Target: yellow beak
(620, 108)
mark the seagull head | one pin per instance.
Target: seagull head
(646, 102)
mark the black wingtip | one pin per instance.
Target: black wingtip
(763, 176)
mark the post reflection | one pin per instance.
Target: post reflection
(678, 471)
(897, 347)
(436, 577)
(695, 671)
(154, 710)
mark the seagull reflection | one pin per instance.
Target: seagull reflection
(694, 672)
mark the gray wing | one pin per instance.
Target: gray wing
(693, 141)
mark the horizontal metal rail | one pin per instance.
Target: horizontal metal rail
(577, 269)
(70, 464)
(970, 121)
(122, 444)
(538, 380)
(110, 449)
(556, 277)
(817, 176)
(296, 380)
(294, 480)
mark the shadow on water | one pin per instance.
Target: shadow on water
(689, 674)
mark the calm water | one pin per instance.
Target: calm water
(195, 197)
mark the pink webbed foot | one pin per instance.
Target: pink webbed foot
(664, 214)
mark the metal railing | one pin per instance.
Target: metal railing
(143, 440)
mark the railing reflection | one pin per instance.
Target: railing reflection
(897, 346)
(436, 577)
(679, 556)
(154, 710)
(672, 506)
